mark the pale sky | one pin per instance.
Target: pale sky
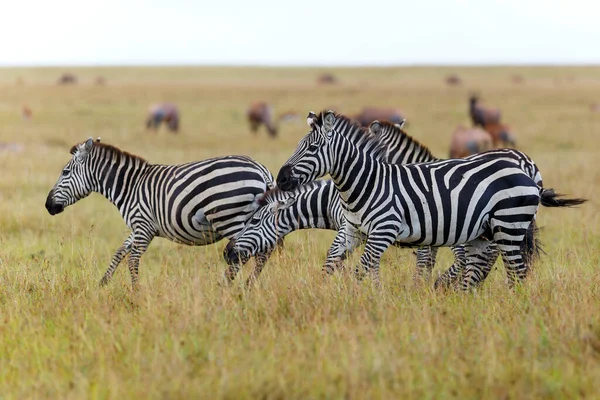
(279, 32)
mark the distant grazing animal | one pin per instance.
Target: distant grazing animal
(26, 112)
(327, 79)
(196, 203)
(370, 114)
(163, 112)
(67, 79)
(467, 141)
(100, 81)
(453, 80)
(442, 203)
(261, 113)
(501, 134)
(481, 115)
(517, 79)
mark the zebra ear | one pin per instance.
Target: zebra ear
(88, 144)
(328, 121)
(375, 127)
(283, 204)
(401, 124)
(311, 120)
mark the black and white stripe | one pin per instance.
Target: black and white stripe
(442, 203)
(197, 203)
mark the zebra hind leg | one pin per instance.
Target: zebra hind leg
(425, 262)
(452, 275)
(477, 264)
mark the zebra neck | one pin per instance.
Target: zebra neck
(116, 180)
(353, 173)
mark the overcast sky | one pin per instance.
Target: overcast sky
(309, 32)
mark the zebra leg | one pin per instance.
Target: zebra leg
(139, 246)
(376, 245)
(452, 275)
(260, 260)
(515, 261)
(425, 262)
(116, 260)
(346, 240)
(478, 266)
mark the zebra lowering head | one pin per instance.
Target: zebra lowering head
(75, 181)
(264, 230)
(314, 154)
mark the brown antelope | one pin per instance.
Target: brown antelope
(260, 113)
(370, 114)
(327, 79)
(163, 112)
(67, 79)
(453, 80)
(501, 135)
(481, 115)
(468, 141)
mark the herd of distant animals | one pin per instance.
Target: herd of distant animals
(386, 189)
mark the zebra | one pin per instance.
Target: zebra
(318, 206)
(197, 203)
(442, 203)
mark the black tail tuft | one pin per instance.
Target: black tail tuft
(532, 245)
(551, 199)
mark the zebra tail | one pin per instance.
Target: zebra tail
(532, 246)
(551, 199)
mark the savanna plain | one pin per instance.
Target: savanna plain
(295, 335)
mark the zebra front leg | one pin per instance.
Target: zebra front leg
(139, 246)
(477, 264)
(260, 260)
(346, 240)
(425, 262)
(452, 275)
(116, 260)
(369, 262)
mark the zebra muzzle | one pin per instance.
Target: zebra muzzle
(52, 207)
(234, 256)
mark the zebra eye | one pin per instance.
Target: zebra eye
(313, 147)
(66, 172)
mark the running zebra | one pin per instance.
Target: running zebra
(317, 205)
(196, 204)
(443, 203)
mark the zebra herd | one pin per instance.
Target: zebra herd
(385, 189)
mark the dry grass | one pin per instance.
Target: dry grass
(184, 336)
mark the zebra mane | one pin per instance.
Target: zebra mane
(108, 150)
(389, 130)
(358, 135)
(277, 194)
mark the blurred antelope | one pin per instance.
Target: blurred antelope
(260, 113)
(501, 135)
(163, 112)
(453, 80)
(468, 141)
(481, 115)
(67, 79)
(370, 114)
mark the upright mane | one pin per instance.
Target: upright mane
(361, 137)
(109, 151)
(391, 132)
(277, 194)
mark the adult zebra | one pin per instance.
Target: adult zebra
(443, 203)
(317, 205)
(197, 203)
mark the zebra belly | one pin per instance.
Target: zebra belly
(201, 234)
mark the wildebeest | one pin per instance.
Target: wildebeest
(261, 113)
(467, 141)
(370, 114)
(166, 112)
(67, 79)
(327, 79)
(453, 80)
(501, 134)
(481, 115)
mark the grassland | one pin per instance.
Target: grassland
(295, 336)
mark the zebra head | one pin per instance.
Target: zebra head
(312, 158)
(74, 182)
(262, 232)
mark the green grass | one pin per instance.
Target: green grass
(182, 335)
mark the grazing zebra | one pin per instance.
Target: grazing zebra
(442, 203)
(318, 206)
(197, 203)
